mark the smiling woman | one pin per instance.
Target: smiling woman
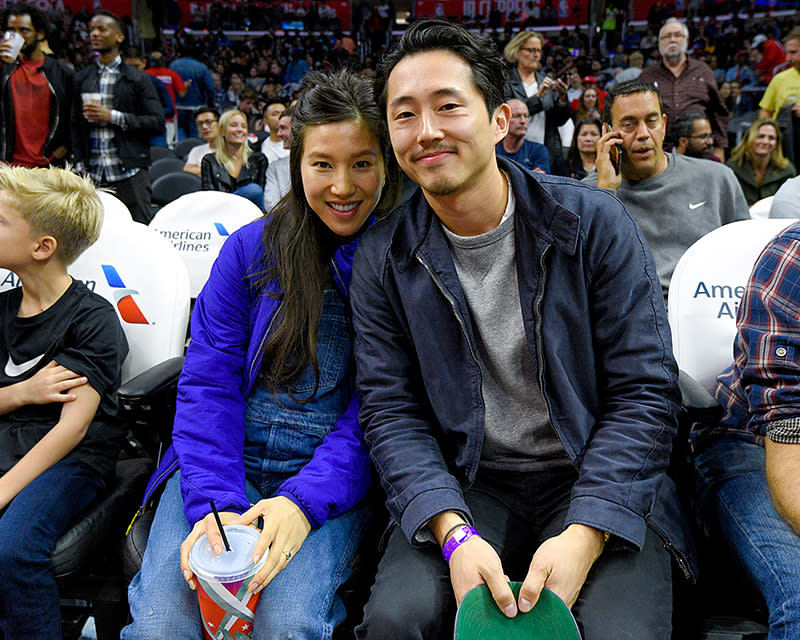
(268, 413)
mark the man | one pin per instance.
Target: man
(175, 86)
(674, 199)
(199, 88)
(767, 54)
(274, 146)
(693, 136)
(278, 177)
(514, 370)
(111, 139)
(531, 155)
(782, 98)
(741, 70)
(36, 91)
(247, 105)
(748, 465)
(686, 84)
(207, 122)
(634, 70)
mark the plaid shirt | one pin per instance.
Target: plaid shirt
(105, 164)
(760, 391)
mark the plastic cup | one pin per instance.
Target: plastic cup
(226, 606)
(15, 41)
(92, 98)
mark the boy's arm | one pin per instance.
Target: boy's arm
(59, 441)
(49, 384)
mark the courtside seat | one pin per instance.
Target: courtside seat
(704, 295)
(197, 224)
(760, 210)
(114, 209)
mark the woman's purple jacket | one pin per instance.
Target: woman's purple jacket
(230, 323)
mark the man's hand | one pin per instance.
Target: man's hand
(285, 529)
(207, 525)
(561, 564)
(607, 177)
(796, 109)
(96, 113)
(476, 562)
(49, 384)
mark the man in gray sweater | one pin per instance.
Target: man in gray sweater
(674, 199)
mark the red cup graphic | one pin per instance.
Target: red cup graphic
(226, 606)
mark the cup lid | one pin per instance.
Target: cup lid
(228, 566)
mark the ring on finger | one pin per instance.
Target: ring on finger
(288, 555)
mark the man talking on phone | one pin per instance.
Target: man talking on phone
(674, 199)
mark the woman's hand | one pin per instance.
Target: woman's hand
(207, 525)
(285, 529)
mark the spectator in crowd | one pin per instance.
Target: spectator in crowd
(747, 465)
(586, 106)
(674, 199)
(741, 70)
(490, 434)
(278, 171)
(175, 86)
(635, 64)
(234, 89)
(199, 88)
(590, 82)
(268, 412)
(768, 54)
(686, 84)
(781, 100)
(62, 349)
(207, 122)
(582, 154)
(759, 163)
(725, 93)
(247, 105)
(133, 59)
(531, 155)
(786, 203)
(574, 84)
(296, 69)
(234, 167)
(274, 146)
(111, 139)
(741, 103)
(36, 94)
(545, 98)
(693, 136)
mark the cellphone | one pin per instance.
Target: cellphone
(616, 157)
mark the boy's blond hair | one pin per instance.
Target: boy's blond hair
(58, 203)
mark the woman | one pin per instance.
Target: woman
(759, 163)
(587, 105)
(582, 154)
(234, 167)
(546, 98)
(267, 411)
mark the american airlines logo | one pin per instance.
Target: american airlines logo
(129, 311)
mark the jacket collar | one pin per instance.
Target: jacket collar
(535, 208)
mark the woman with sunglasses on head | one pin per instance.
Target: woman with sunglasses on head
(267, 415)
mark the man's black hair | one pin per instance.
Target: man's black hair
(683, 127)
(39, 18)
(626, 89)
(486, 66)
(206, 109)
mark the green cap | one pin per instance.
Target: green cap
(479, 618)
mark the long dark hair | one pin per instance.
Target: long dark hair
(573, 155)
(297, 244)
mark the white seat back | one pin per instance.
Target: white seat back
(197, 224)
(705, 291)
(760, 210)
(114, 209)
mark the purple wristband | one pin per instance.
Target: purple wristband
(455, 541)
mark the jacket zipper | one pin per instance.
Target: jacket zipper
(684, 566)
(164, 474)
(263, 341)
(540, 347)
(55, 124)
(6, 80)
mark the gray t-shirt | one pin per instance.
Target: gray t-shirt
(680, 205)
(517, 431)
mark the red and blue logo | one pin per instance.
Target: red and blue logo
(126, 305)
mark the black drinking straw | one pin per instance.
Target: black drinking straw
(219, 524)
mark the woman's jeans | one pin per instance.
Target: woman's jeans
(253, 192)
(29, 529)
(734, 495)
(281, 435)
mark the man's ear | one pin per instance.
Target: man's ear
(45, 248)
(501, 119)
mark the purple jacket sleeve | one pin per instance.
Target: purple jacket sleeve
(209, 423)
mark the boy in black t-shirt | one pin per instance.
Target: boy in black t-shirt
(61, 353)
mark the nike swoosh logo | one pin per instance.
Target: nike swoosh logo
(13, 370)
(692, 207)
